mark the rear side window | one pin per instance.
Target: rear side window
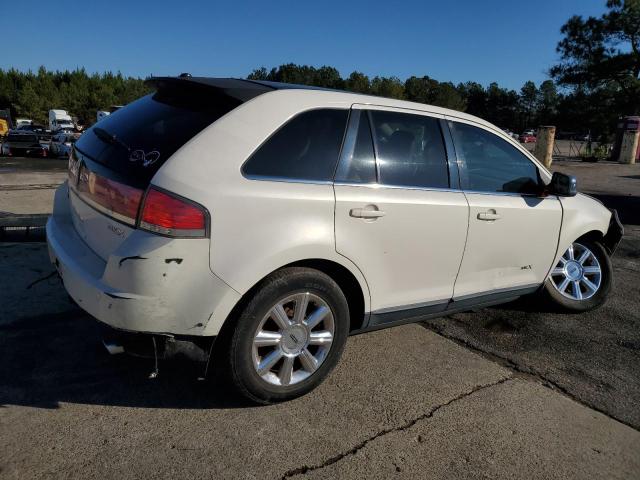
(137, 139)
(305, 148)
(491, 164)
(358, 164)
(410, 150)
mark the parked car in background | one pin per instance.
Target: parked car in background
(508, 132)
(280, 219)
(31, 127)
(527, 138)
(22, 121)
(23, 145)
(61, 144)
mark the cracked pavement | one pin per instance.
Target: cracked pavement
(506, 392)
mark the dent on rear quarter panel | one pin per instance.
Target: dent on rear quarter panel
(254, 223)
(580, 215)
(175, 274)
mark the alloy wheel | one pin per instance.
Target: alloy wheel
(578, 274)
(293, 339)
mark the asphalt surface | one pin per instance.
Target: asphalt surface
(27, 184)
(506, 392)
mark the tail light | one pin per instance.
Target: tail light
(172, 215)
(115, 199)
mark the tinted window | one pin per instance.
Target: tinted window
(150, 130)
(410, 150)
(358, 164)
(491, 164)
(22, 138)
(305, 148)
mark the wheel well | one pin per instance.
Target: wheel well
(593, 235)
(341, 275)
(347, 283)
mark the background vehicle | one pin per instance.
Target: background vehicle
(193, 213)
(23, 145)
(105, 113)
(61, 144)
(5, 122)
(60, 120)
(23, 121)
(527, 138)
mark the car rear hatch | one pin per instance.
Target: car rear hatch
(112, 163)
(21, 143)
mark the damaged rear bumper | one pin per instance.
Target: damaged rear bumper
(148, 284)
(162, 347)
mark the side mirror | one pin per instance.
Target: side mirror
(563, 185)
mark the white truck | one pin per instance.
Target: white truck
(60, 120)
(105, 113)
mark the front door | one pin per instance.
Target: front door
(513, 231)
(396, 217)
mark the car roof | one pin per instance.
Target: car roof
(243, 90)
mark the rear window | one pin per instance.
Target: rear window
(22, 138)
(137, 139)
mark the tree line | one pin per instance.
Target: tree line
(596, 81)
(32, 95)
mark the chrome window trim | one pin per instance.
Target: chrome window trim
(397, 187)
(265, 178)
(504, 194)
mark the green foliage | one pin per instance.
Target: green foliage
(32, 95)
(600, 59)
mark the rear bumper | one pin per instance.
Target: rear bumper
(140, 287)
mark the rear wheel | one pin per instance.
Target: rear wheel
(582, 278)
(289, 336)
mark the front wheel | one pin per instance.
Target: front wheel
(289, 336)
(582, 278)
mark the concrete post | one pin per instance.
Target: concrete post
(544, 145)
(629, 146)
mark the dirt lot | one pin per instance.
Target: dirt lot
(505, 392)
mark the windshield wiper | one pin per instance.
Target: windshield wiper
(107, 137)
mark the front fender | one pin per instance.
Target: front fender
(582, 215)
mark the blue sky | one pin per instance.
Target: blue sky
(484, 40)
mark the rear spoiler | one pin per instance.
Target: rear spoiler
(230, 90)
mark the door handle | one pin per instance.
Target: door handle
(489, 216)
(367, 212)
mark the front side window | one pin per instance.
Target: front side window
(491, 164)
(305, 148)
(410, 150)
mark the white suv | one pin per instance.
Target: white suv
(279, 219)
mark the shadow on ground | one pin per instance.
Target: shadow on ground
(57, 358)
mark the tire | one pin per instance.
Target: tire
(251, 345)
(568, 299)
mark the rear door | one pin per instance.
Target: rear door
(397, 216)
(513, 231)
